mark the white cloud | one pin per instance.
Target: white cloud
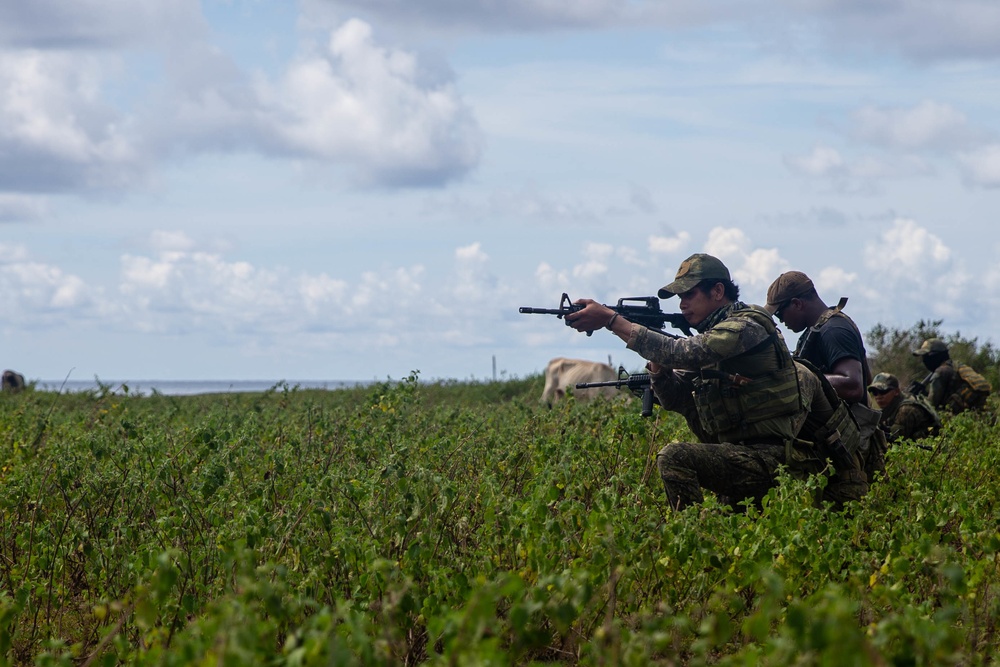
(906, 251)
(56, 132)
(727, 243)
(834, 281)
(750, 267)
(190, 290)
(629, 256)
(595, 265)
(920, 271)
(667, 245)
(859, 176)
(473, 280)
(822, 161)
(12, 254)
(166, 241)
(981, 167)
(372, 107)
(929, 124)
(35, 294)
(760, 268)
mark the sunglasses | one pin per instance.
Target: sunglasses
(878, 392)
(781, 309)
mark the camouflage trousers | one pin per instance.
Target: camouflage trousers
(735, 472)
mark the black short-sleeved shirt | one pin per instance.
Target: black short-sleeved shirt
(837, 339)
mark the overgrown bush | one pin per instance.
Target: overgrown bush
(406, 523)
(891, 351)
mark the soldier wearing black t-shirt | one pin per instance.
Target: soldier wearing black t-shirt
(832, 342)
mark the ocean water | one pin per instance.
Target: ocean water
(189, 387)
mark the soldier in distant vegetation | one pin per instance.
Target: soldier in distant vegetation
(904, 416)
(952, 385)
(734, 382)
(833, 343)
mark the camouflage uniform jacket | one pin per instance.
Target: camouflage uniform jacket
(949, 388)
(909, 418)
(942, 383)
(724, 335)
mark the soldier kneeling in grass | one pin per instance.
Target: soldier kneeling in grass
(738, 388)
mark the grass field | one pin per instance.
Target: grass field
(463, 524)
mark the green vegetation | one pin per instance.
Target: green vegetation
(891, 351)
(462, 523)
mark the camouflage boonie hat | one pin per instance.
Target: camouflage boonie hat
(931, 346)
(884, 382)
(786, 287)
(692, 271)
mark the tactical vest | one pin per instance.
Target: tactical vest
(873, 441)
(754, 395)
(802, 347)
(840, 425)
(921, 402)
(973, 387)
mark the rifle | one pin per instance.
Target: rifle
(639, 384)
(649, 315)
(919, 388)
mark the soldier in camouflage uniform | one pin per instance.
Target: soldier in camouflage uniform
(734, 382)
(904, 416)
(950, 385)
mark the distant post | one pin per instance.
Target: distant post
(494, 368)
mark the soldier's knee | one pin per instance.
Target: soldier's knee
(671, 456)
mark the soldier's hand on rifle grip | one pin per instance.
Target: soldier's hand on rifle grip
(591, 317)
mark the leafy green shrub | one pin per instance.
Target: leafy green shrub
(891, 351)
(452, 523)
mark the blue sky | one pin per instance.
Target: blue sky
(348, 190)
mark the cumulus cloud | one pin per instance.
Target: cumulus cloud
(181, 288)
(928, 125)
(917, 267)
(668, 245)
(821, 161)
(750, 267)
(835, 280)
(56, 131)
(981, 167)
(375, 107)
(597, 257)
(861, 175)
(906, 250)
(35, 294)
(378, 113)
(474, 281)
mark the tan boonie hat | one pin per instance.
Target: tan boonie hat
(931, 346)
(884, 382)
(786, 287)
(692, 271)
